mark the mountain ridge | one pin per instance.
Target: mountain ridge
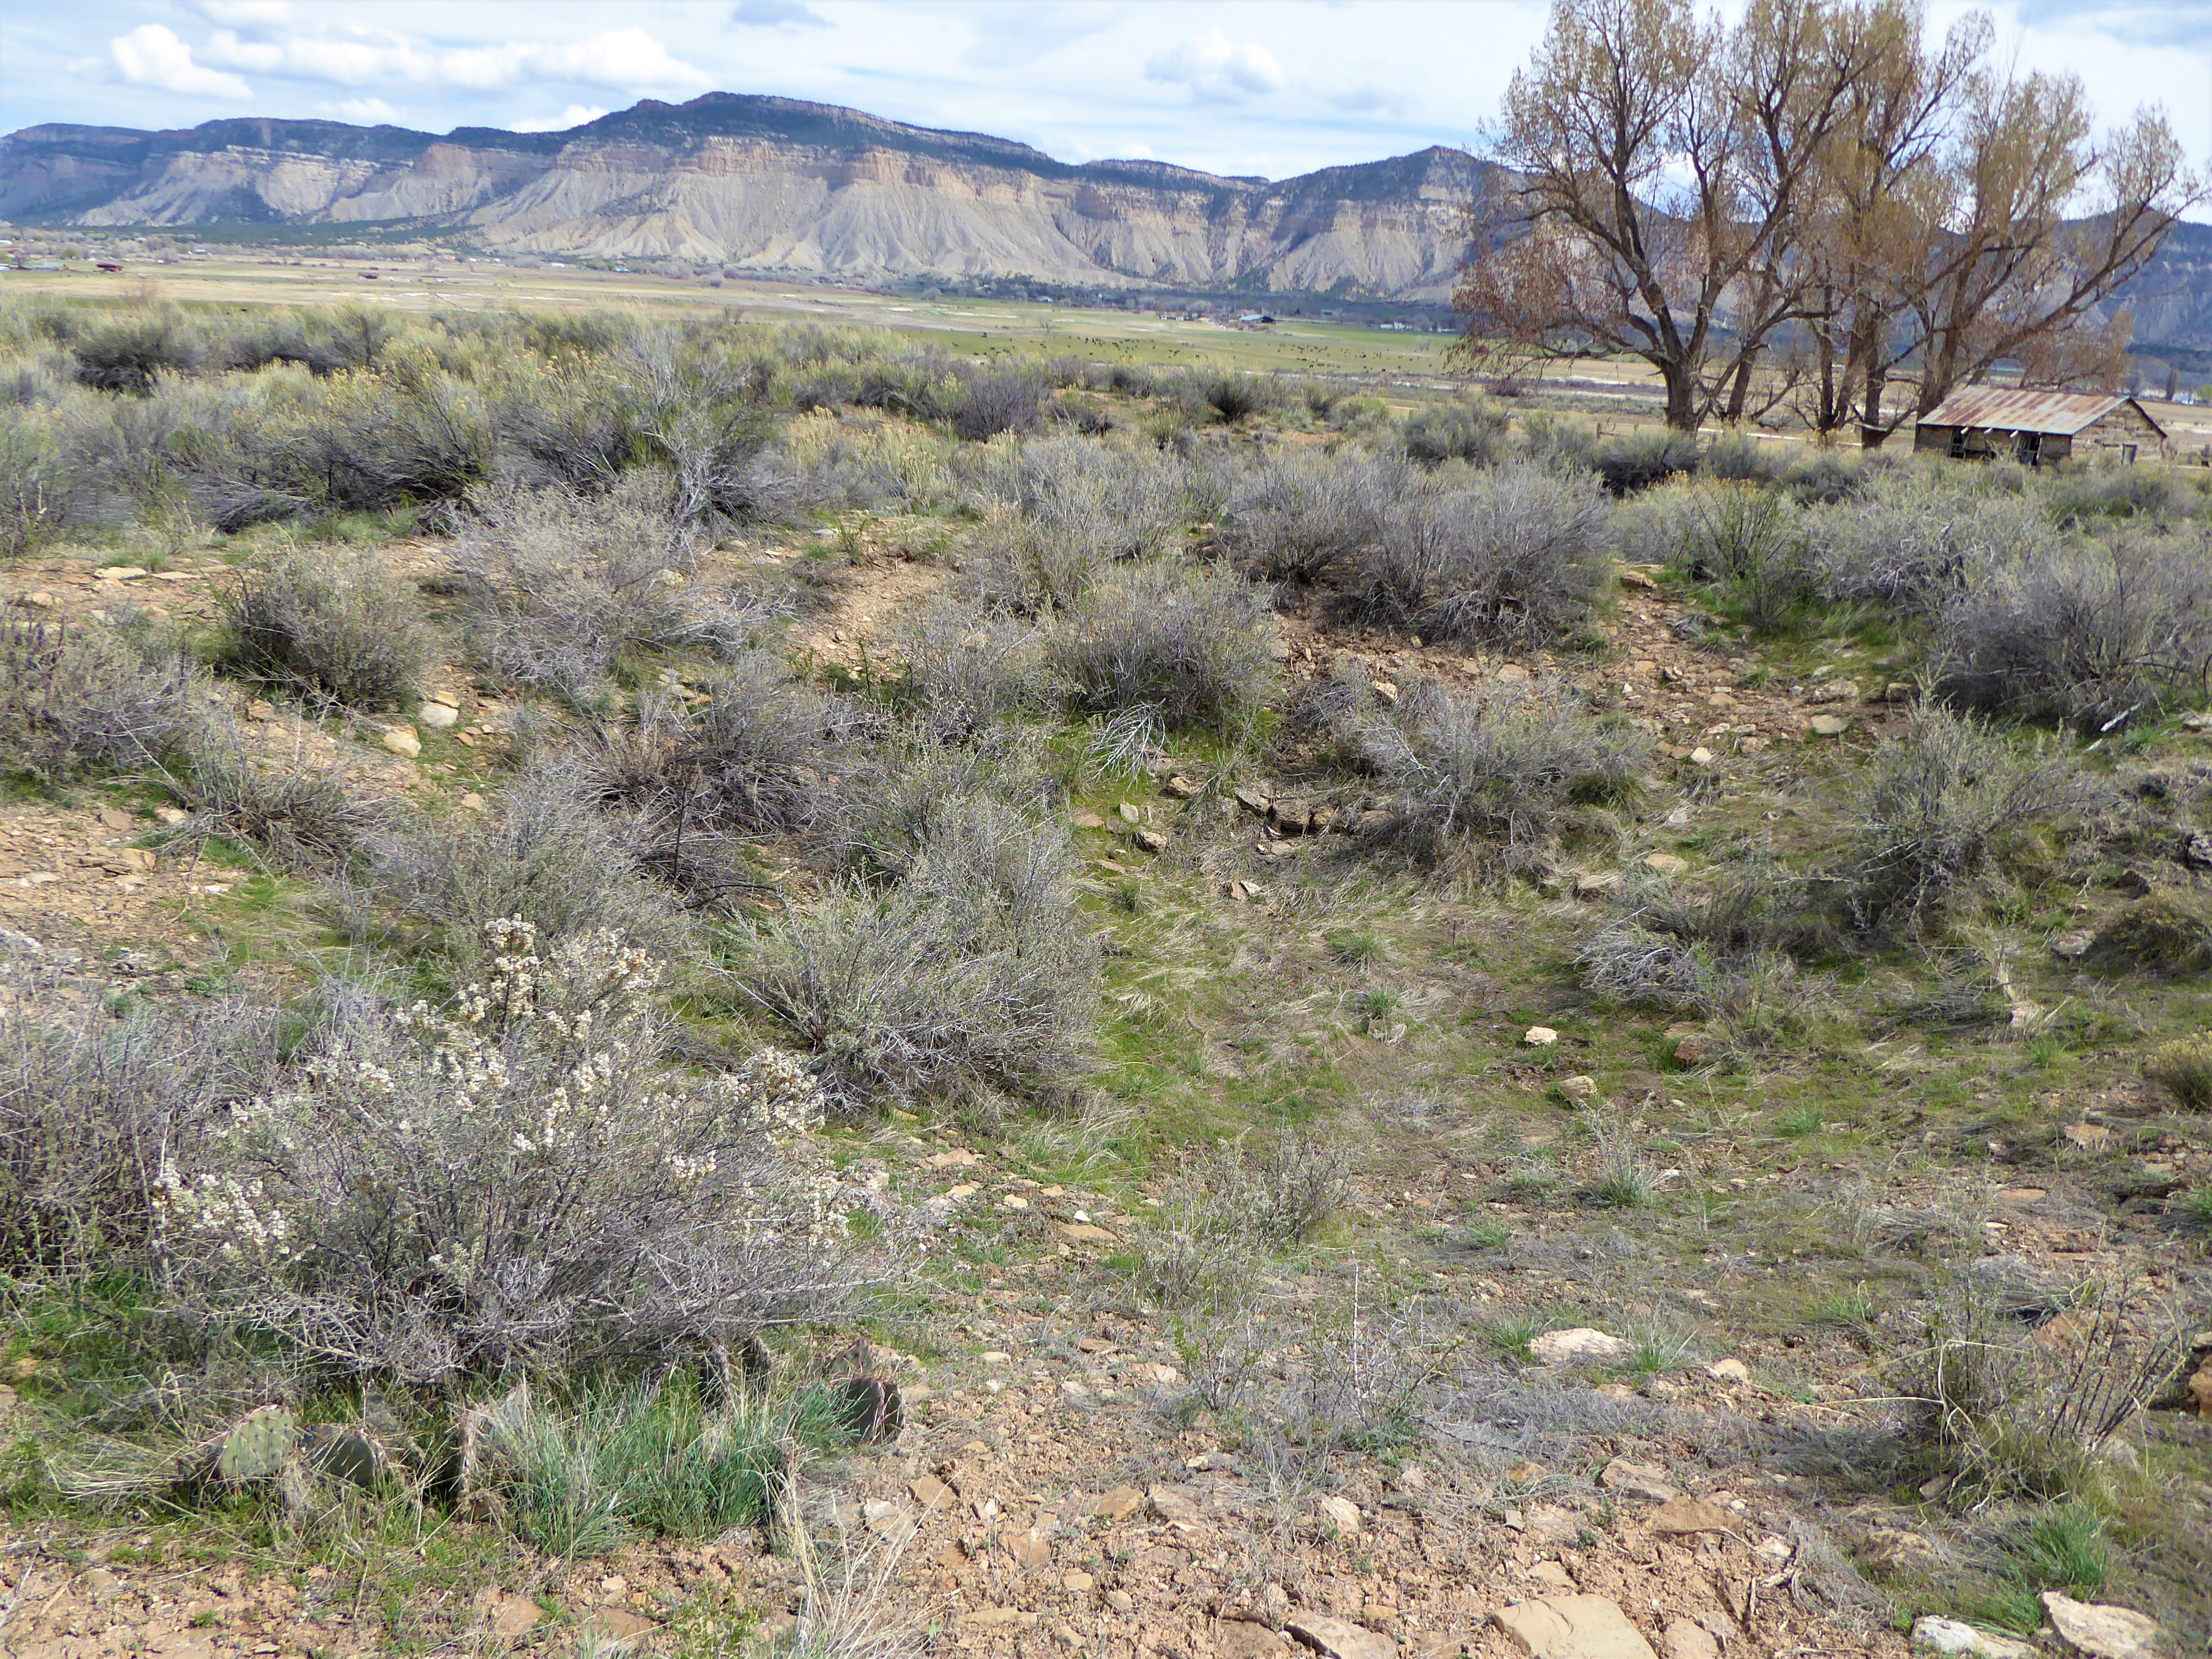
(776, 183)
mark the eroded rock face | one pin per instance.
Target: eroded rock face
(1572, 1627)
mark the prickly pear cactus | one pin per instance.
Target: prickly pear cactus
(258, 1444)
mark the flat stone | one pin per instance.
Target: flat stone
(1539, 1036)
(1173, 1507)
(999, 1619)
(614, 1625)
(1180, 787)
(2100, 1630)
(508, 1615)
(1685, 1638)
(1680, 1517)
(1581, 1346)
(1130, 814)
(1595, 884)
(402, 740)
(2089, 1137)
(1827, 725)
(1581, 1087)
(438, 716)
(1254, 800)
(1150, 841)
(1029, 1550)
(1572, 1627)
(1339, 1639)
(1955, 1636)
(1645, 1480)
(1665, 864)
(1701, 755)
(1341, 1513)
(932, 1493)
(1120, 1504)
(1082, 1232)
(1242, 1639)
(1087, 820)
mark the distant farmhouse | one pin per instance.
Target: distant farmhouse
(2033, 428)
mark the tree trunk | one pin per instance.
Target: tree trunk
(1681, 395)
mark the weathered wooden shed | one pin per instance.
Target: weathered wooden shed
(1982, 421)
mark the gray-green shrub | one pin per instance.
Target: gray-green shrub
(328, 624)
(1193, 644)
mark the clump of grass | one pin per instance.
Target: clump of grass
(326, 624)
(1356, 947)
(2167, 931)
(2184, 1068)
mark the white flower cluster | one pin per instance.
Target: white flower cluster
(236, 1210)
(779, 1092)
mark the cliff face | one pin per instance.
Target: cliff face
(771, 184)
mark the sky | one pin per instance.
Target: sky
(1272, 87)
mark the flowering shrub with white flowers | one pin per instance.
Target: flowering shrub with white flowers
(513, 1180)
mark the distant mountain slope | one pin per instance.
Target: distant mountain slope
(773, 184)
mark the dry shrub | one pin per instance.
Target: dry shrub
(971, 976)
(999, 399)
(86, 1105)
(2184, 1069)
(1059, 512)
(1194, 645)
(298, 814)
(1911, 540)
(1518, 553)
(2011, 1409)
(2091, 633)
(1233, 1200)
(2167, 931)
(1302, 513)
(329, 624)
(1935, 806)
(511, 1184)
(965, 667)
(1506, 765)
(1748, 538)
(1721, 954)
(1229, 394)
(1472, 430)
(556, 584)
(75, 701)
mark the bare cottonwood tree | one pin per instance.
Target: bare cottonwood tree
(1813, 191)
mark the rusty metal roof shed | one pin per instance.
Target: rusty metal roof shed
(2008, 409)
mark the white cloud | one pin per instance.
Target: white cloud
(366, 112)
(245, 13)
(574, 116)
(776, 15)
(151, 56)
(629, 60)
(1217, 69)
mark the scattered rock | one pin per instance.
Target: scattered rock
(1119, 1505)
(2132, 882)
(1572, 1627)
(1701, 755)
(508, 1615)
(1730, 1370)
(1685, 1638)
(1647, 1481)
(1339, 1639)
(1682, 1517)
(1511, 672)
(1254, 800)
(999, 1619)
(1692, 1042)
(1581, 1087)
(1385, 690)
(2200, 1389)
(1173, 1507)
(2100, 1631)
(438, 716)
(2089, 1137)
(1539, 1036)
(1242, 1639)
(2072, 947)
(1595, 884)
(1581, 1346)
(1952, 1636)
(402, 740)
(1130, 814)
(258, 710)
(1341, 1513)
(932, 1493)
(1181, 788)
(1150, 841)
(1525, 1474)
(1088, 820)
(1029, 1550)
(1827, 725)
(1629, 576)
(615, 1626)
(1665, 864)
(1834, 691)
(1083, 1232)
